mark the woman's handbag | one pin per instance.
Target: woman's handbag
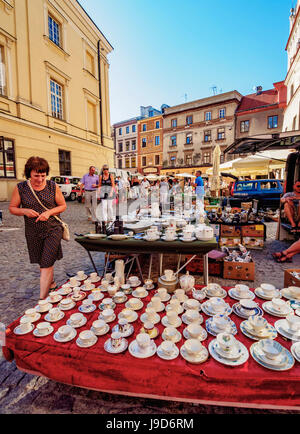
(66, 232)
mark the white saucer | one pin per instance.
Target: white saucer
(201, 337)
(198, 294)
(95, 280)
(68, 307)
(126, 334)
(110, 349)
(175, 340)
(164, 239)
(197, 358)
(227, 310)
(155, 320)
(282, 326)
(150, 287)
(123, 300)
(103, 332)
(260, 358)
(187, 322)
(134, 285)
(80, 278)
(223, 294)
(47, 308)
(82, 323)
(135, 352)
(86, 345)
(38, 335)
(244, 355)
(56, 300)
(63, 291)
(286, 294)
(165, 356)
(61, 315)
(295, 350)
(185, 307)
(151, 239)
(102, 307)
(111, 319)
(71, 336)
(160, 309)
(93, 297)
(189, 240)
(167, 298)
(88, 289)
(185, 298)
(269, 332)
(87, 310)
(133, 317)
(261, 294)
(139, 306)
(17, 330)
(213, 330)
(135, 294)
(267, 307)
(166, 323)
(36, 317)
(235, 296)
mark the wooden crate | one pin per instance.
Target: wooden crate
(290, 280)
(215, 268)
(230, 241)
(239, 270)
(230, 231)
(253, 231)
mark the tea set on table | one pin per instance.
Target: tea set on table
(173, 309)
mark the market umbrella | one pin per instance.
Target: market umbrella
(215, 181)
(152, 177)
(185, 175)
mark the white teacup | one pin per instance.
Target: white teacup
(108, 277)
(104, 283)
(293, 322)
(143, 341)
(191, 303)
(294, 291)
(279, 304)
(30, 313)
(123, 325)
(217, 304)
(96, 295)
(76, 318)
(194, 330)
(112, 289)
(86, 336)
(107, 303)
(270, 349)
(93, 276)
(140, 291)
(220, 321)
(134, 303)
(257, 322)
(65, 302)
(80, 274)
(43, 327)
(180, 295)
(76, 291)
(107, 314)
(73, 281)
(148, 283)
(169, 274)
(226, 341)
(162, 293)
(119, 296)
(99, 325)
(43, 305)
(192, 315)
(148, 327)
(64, 331)
(53, 295)
(87, 303)
(175, 304)
(156, 301)
(151, 313)
(193, 346)
(241, 290)
(167, 347)
(133, 280)
(116, 339)
(170, 332)
(170, 235)
(127, 313)
(125, 287)
(172, 316)
(88, 284)
(267, 288)
(54, 313)
(25, 324)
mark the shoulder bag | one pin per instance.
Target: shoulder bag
(66, 232)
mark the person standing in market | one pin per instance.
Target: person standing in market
(90, 183)
(107, 195)
(43, 232)
(199, 185)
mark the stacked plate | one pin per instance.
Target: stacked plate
(277, 307)
(272, 355)
(284, 328)
(267, 292)
(257, 332)
(246, 308)
(220, 323)
(216, 306)
(170, 285)
(291, 293)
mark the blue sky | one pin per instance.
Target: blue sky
(173, 51)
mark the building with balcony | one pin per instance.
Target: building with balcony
(192, 130)
(291, 121)
(54, 93)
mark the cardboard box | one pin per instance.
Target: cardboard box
(290, 280)
(239, 270)
(253, 231)
(230, 241)
(230, 231)
(253, 242)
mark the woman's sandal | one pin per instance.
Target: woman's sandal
(283, 259)
(54, 287)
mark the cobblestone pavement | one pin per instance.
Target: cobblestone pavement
(19, 289)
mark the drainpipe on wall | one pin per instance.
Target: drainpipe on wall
(100, 94)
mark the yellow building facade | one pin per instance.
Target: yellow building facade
(54, 89)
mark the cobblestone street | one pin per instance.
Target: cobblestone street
(19, 290)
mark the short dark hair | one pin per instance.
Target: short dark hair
(199, 171)
(36, 163)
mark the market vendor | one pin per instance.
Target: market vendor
(290, 202)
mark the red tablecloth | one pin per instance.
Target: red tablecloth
(248, 385)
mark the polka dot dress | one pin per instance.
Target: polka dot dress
(43, 238)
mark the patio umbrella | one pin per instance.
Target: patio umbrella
(185, 175)
(152, 177)
(215, 181)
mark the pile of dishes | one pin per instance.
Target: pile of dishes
(228, 350)
(272, 355)
(246, 308)
(289, 327)
(277, 307)
(291, 293)
(215, 306)
(240, 292)
(214, 290)
(257, 327)
(220, 324)
(169, 280)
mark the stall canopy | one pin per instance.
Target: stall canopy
(185, 175)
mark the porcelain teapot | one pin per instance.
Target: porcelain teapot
(204, 233)
(187, 282)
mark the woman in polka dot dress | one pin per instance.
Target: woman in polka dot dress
(43, 232)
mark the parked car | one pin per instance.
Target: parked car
(67, 185)
(266, 191)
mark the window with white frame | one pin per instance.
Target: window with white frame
(221, 133)
(206, 157)
(2, 72)
(189, 138)
(54, 30)
(207, 116)
(56, 93)
(222, 113)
